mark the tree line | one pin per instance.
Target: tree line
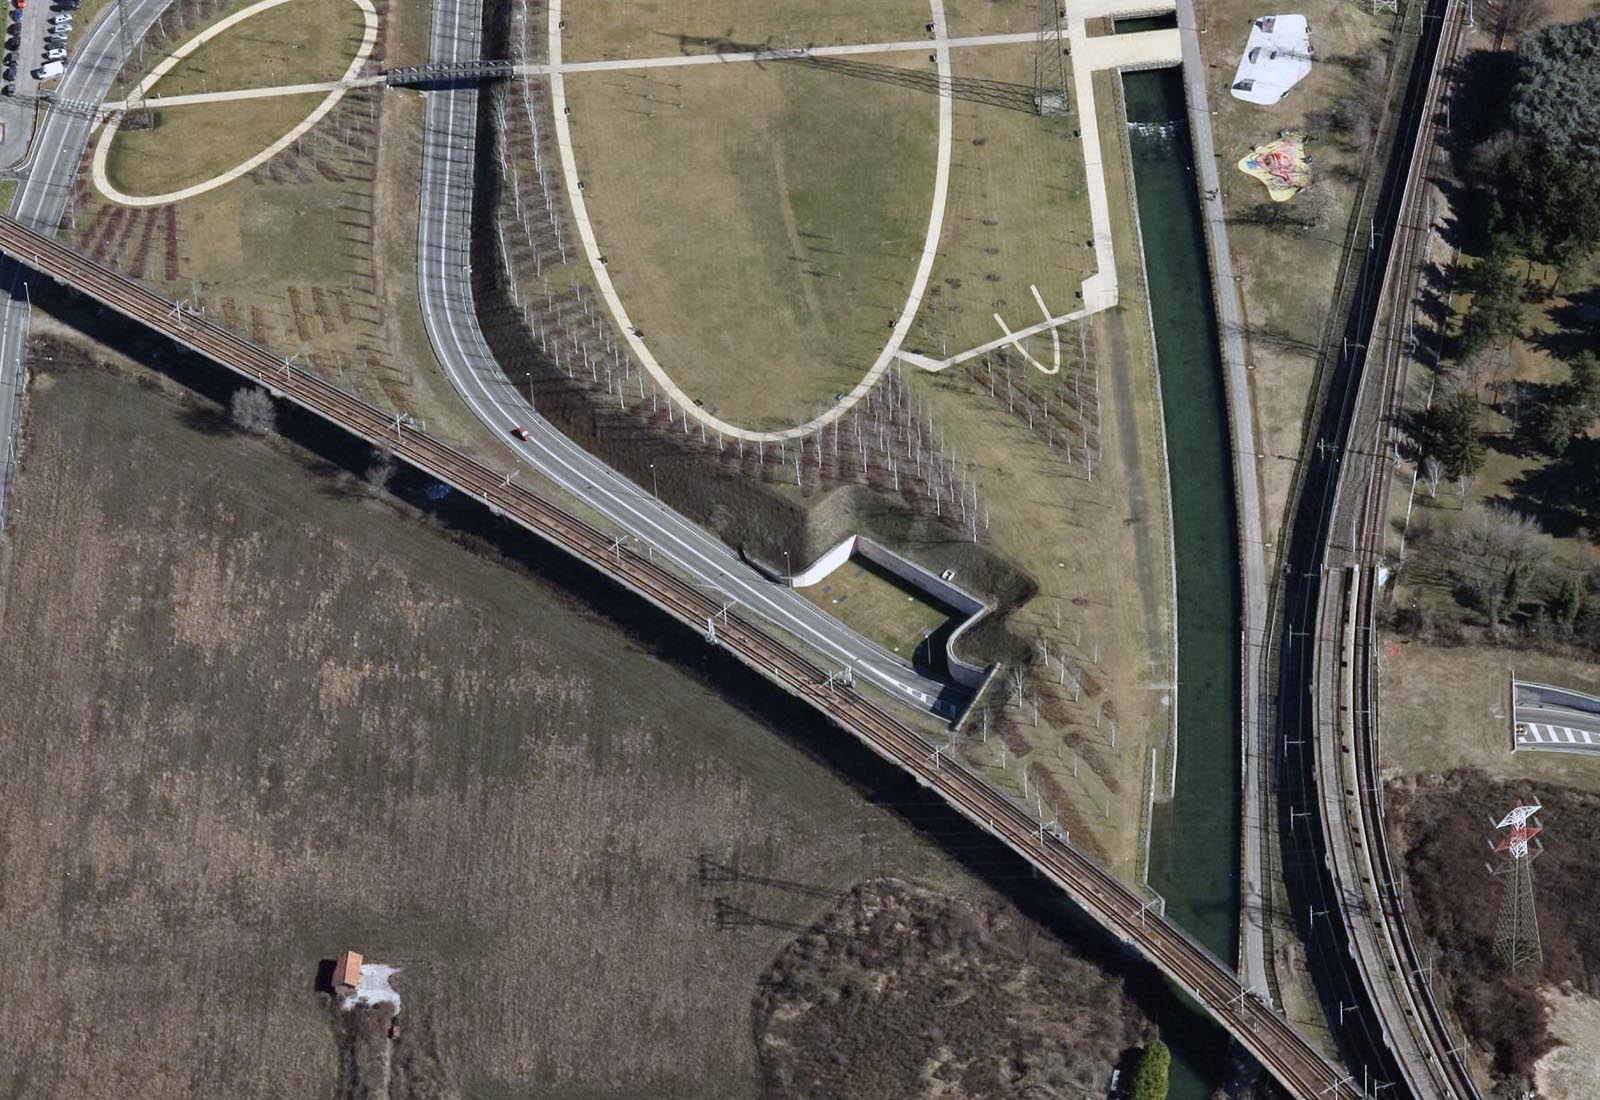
(1529, 165)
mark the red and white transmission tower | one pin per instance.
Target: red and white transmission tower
(1516, 933)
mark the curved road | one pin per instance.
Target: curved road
(445, 288)
(444, 237)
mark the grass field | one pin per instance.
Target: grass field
(186, 145)
(879, 605)
(1017, 216)
(264, 717)
(606, 29)
(971, 17)
(297, 42)
(314, 254)
(770, 244)
(1099, 554)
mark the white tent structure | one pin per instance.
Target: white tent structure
(1276, 58)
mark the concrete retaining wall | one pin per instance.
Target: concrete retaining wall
(951, 595)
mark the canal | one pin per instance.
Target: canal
(1195, 855)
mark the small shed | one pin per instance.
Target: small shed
(347, 972)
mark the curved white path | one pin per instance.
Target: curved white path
(102, 149)
(608, 290)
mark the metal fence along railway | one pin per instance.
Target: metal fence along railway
(1279, 1048)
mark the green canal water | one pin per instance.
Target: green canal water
(1195, 854)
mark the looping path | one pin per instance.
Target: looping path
(1099, 292)
(641, 351)
(102, 149)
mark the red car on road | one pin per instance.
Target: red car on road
(520, 432)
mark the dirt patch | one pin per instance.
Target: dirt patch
(1444, 821)
(1570, 1071)
(903, 992)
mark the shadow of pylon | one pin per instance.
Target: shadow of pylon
(728, 916)
(1003, 94)
(713, 873)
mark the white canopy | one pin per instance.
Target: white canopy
(1277, 57)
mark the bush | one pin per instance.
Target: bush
(252, 411)
(1150, 1075)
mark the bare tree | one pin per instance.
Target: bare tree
(1432, 472)
(252, 411)
(380, 471)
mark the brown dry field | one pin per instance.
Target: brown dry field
(261, 717)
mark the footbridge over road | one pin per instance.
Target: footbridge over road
(1210, 981)
(447, 72)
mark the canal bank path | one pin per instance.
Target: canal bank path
(1255, 755)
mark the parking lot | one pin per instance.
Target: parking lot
(27, 27)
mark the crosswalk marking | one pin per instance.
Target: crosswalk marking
(1536, 735)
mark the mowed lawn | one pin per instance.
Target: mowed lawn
(1018, 215)
(762, 225)
(253, 717)
(297, 42)
(608, 29)
(189, 144)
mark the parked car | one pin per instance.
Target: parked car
(9, 74)
(48, 70)
(9, 89)
(55, 55)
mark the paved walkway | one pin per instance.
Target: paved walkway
(102, 149)
(164, 101)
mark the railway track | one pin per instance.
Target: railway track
(1281, 1050)
(1397, 293)
(1447, 1065)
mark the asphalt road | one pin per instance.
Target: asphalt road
(44, 186)
(1555, 719)
(445, 288)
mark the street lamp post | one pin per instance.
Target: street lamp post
(655, 489)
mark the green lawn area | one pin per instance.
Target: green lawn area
(762, 225)
(970, 17)
(298, 42)
(193, 143)
(1018, 216)
(603, 29)
(879, 605)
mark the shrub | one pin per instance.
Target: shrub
(1150, 1075)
